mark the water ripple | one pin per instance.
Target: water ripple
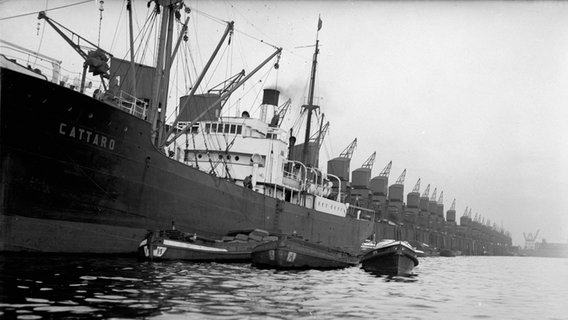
(464, 287)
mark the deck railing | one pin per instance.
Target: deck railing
(132, 105)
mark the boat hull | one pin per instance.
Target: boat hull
(290, 253)
(447, 253)
(393, 260)
(158, 247)
(85, 173)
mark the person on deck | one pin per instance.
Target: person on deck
(248, 182)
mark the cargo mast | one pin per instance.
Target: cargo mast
(310, 106)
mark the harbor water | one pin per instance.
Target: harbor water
(45, 286)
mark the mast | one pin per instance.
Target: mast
(310, 106)
(166, 85)
(228, 30)
(132, 62)
(318, 141)
(156, 84)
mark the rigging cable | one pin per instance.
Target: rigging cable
(194, 153)
(41, 38)
(46, 10)
(112, 44)
(101, 9)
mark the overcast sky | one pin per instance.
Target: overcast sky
(468, 96)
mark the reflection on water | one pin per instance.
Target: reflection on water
(35, 287)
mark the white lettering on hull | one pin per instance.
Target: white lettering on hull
(86, 136)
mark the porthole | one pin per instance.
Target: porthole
(237, 158)
(199, 156)
(228, 157)
(220, 157)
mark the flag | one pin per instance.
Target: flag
(319, 23)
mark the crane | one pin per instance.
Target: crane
(400, 179)
(369, 163)
(465, 212)
(386, 171)
(441, 199)
(348, 152)
(95, 60)
(320, 134)
(530, 240)
(453, 206)
(433, 197)
(417, 186)
(426, 192)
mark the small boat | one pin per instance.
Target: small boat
(176, 245)
(291, 252)
(447, 253)
(424, 250)
(368, 245)
(390, 257)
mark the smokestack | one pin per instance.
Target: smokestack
(269, 104)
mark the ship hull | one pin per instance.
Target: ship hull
(79, 175)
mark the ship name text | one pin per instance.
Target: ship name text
(86, 136)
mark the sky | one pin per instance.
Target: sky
(470, 97)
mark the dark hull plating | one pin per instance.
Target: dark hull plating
(158, 248)
(62, 190)
(393, 260)
(300, 254)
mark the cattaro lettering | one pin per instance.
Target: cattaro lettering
(86, 136)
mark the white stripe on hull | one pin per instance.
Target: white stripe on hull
(177, 244)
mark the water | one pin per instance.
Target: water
(39, 287)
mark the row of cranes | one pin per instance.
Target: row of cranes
(375, 192)
(363, 188)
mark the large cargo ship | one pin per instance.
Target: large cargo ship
(92, 174)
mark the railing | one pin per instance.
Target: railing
(132, 105)
(360, 213)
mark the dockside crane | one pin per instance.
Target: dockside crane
(465, 212)
(348, 152)
(530, 240)
(386, 171)
(282, 110)
(426, 192)
(369, 163)
(453, 206)
(401, 178)
(441, 199)
(417, 186)
(433, 197)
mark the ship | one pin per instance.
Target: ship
(94, 173)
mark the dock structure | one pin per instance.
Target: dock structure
(421, 218)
